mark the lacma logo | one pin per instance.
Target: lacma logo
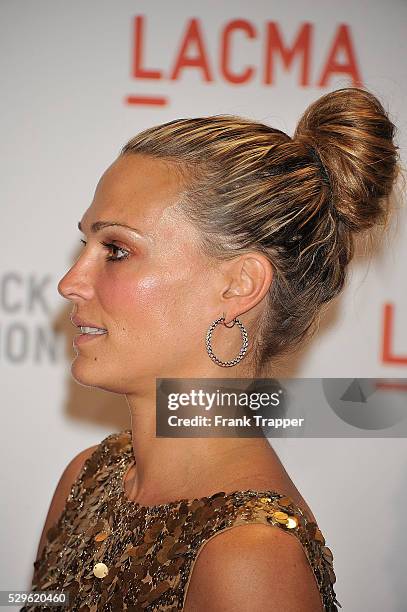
(192, 53)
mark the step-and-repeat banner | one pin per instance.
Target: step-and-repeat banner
(78, 80)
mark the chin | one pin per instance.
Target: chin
(92, 371)
(94, 384)
(86, 376)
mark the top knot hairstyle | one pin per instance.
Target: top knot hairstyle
(299, 201)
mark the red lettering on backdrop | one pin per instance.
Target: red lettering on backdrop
(301, 47)
(138, 70)
(342, 43)
(388, 334)
(232, 26)
(192, 37)
(192, 53)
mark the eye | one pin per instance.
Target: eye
(109, 246)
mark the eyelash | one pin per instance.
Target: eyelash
(109, 245)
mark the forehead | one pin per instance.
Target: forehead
(137, 189)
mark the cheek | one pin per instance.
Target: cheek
(137, 303)
(159, 303)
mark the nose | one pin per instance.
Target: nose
(75, 285)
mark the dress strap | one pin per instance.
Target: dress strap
(279, 511)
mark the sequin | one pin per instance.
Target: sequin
(100, 570)
(292, 522)
(281, 517)
(143, 555)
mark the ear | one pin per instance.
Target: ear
(248, 279)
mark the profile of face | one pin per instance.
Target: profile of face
(147, 286)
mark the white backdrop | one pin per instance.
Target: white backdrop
(68, 70)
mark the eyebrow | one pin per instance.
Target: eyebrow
(98, 225)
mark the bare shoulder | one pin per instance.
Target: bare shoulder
(253, 567)
(63, 488)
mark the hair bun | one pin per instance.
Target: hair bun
(352, 138)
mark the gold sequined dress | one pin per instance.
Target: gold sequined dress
(144, 555)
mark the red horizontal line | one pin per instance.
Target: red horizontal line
(389, 385)
(147, 100)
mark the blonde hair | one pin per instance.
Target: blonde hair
(299, 201)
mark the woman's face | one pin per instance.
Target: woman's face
(156, 298)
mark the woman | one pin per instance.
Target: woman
(200, 222)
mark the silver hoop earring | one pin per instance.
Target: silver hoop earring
(232, 362)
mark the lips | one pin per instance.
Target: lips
(82, 323)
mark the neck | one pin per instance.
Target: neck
(173, 468)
